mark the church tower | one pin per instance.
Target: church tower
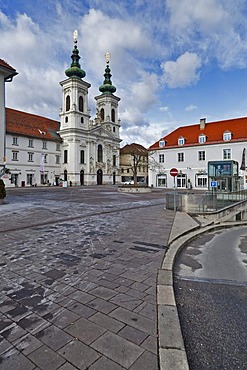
(107, 103)
(90, 147)
(107, 119)
(74, 120)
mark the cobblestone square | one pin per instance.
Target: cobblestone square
(78, 277)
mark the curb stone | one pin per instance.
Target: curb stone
(172, 354)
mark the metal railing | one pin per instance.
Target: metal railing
(191, 202)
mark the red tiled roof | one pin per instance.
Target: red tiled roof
(26, 124)
(134, 149)
(213, 132)
(6, 65)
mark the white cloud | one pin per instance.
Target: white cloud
(202, 15)
(214, 29)
(190, 108)
(141, 38)
(164, 109)
(183, 72)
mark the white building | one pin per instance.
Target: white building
(190, 149)
(6, 75)
(79, 150)
(33, 149)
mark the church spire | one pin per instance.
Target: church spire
(107, 88)
(75, 68)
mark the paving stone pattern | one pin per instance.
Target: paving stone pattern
(78, 278)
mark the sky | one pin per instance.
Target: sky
(172, 61)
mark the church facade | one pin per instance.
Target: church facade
(77, 150)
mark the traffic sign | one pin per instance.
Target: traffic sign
(173, 172)
(213, 184)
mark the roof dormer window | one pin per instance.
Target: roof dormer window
(227, 136)
(181, 140)
(202, 139)
(162, 143)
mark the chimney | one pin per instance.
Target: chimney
(202, 123)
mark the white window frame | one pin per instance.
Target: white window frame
(15, 156)
(57, 160)
(201, 181)
(202, 139)
(30, 143)
(227, 136)
(162, 181)
(44, 146)
(181, 140)
(30, 178)
(227, 154)
(15, 140)
(181, 157)
(162, 143)
(30, 156)
(201, 155)
(161, 158)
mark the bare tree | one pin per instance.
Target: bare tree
(137, 156)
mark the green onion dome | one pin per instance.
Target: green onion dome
(75, 68)
(107, 87)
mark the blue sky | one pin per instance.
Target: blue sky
(172, 61)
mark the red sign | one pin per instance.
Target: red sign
(173, 172)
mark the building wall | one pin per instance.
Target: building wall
(24, 161)
(126, 162)
(2, 118)
(192, 168)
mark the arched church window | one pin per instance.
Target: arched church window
(67, 103)
(100, 153)
(82, 120)
(66, 119)
(82, 156)
(81, 104)
(65, 156)
(113, 115)
(102, 114)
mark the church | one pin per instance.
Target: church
(77, 150)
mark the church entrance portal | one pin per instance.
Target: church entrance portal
(99, 177)
(82, 177)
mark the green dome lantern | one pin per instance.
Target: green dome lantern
(107, 88)
(75, 68)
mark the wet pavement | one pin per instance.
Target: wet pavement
(78, 278)
(210, 282)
